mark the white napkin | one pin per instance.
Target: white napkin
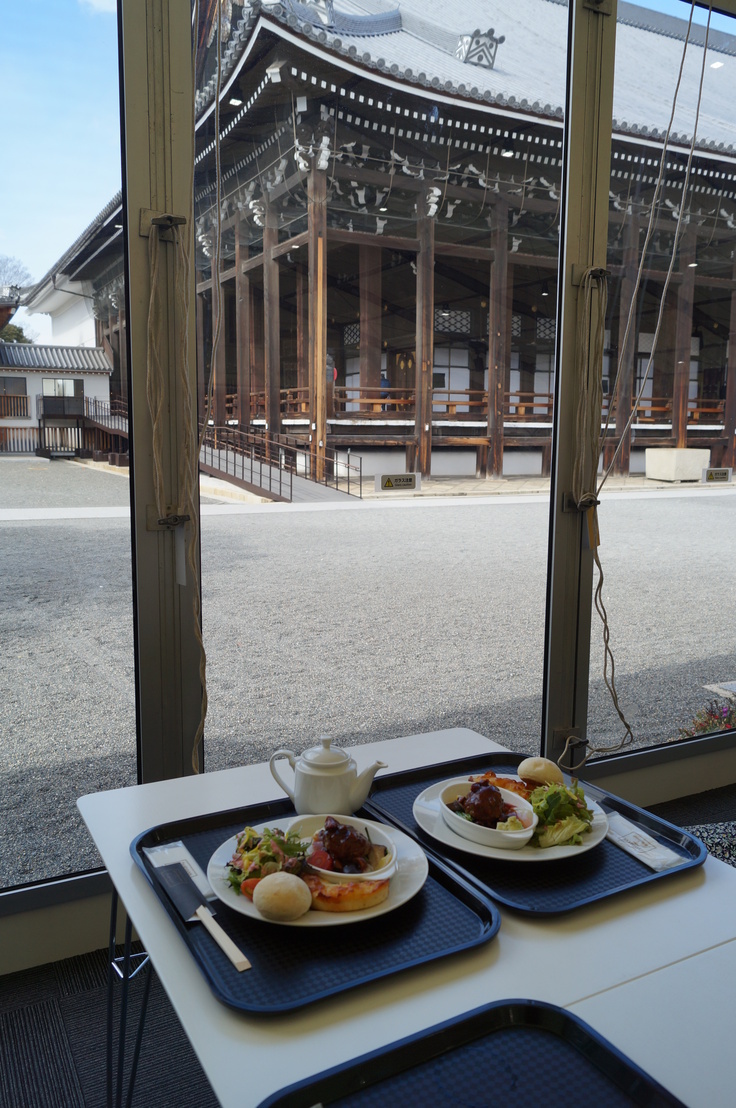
(635, 841)
(168, 853)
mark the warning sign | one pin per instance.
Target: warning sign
(393, 482)
(717, 476)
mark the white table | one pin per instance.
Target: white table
(628, 965)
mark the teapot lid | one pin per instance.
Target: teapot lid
(323, 757)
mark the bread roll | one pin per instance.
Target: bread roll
(541, 770)
(282, 896)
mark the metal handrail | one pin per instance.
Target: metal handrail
(283, 454)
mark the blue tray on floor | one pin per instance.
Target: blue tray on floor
(539, 889)
(512, 1052)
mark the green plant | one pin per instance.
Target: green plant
(714, 717)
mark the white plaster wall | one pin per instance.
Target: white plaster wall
(448, 463)
(74, 325)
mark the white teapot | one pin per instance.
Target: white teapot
(325, 780)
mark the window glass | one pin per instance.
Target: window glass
(381, 251)
(667, 553)
(66, 672)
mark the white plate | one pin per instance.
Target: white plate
(428, 814)
(411, 873)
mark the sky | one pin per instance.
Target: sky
(61, 129)
(61, 136)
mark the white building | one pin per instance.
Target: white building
(48, 395)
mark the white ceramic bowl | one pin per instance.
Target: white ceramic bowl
(487, 836)
(307, 826)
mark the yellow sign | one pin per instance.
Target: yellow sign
(395, 481)
(720, 476)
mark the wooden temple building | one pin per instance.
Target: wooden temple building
(379, 255)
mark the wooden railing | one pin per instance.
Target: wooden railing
(657, 409)
(14, 407)
(385, 403)
(377, 400)
(706, 411)
(528, 407)
(455, 403)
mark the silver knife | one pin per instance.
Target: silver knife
(188, 901)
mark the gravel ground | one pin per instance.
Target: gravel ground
(363, 624)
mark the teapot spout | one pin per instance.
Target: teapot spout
(362, 784)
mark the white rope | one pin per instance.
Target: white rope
(590, 437)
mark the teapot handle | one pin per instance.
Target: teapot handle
(291, 757)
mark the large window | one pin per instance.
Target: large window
(667, 588)
(66, 668)
(394, 263)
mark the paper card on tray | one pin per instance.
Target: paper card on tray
(168, 853)
(634, 840)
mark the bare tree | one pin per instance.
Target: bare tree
(13, 272)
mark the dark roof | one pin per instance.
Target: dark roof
(27, 355)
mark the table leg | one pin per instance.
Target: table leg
(126, 977)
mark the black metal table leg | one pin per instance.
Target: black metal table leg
(116, 1078)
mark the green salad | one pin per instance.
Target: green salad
(260, 853)
(564, 816)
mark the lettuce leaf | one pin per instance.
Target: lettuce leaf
(567, 832)
(564, 816)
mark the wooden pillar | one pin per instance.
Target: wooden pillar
(271, 325)
(626, 351)
(499, 337)
(201, 359)
(302, 333)
(317, 250)
(370, 318)
(424, 343)
(242, 333)
(683, 341)
(729, 419)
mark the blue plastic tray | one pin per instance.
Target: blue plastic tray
(293, 967)
(512, 1052)
(540, 888)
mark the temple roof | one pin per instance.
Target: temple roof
(30, 356)
(424, 47)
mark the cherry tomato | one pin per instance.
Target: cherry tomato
(247, 886)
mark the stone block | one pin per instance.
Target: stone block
(664, 463)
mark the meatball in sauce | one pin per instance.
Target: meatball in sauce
(483, 804)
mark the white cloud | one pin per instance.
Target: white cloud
(100, 5)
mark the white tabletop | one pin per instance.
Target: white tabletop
(578, 959)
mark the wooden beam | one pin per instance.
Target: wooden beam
(389, 242)
(291, 244)
(458, 250)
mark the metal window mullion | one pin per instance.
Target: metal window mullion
(588, 117)
(158, 145)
